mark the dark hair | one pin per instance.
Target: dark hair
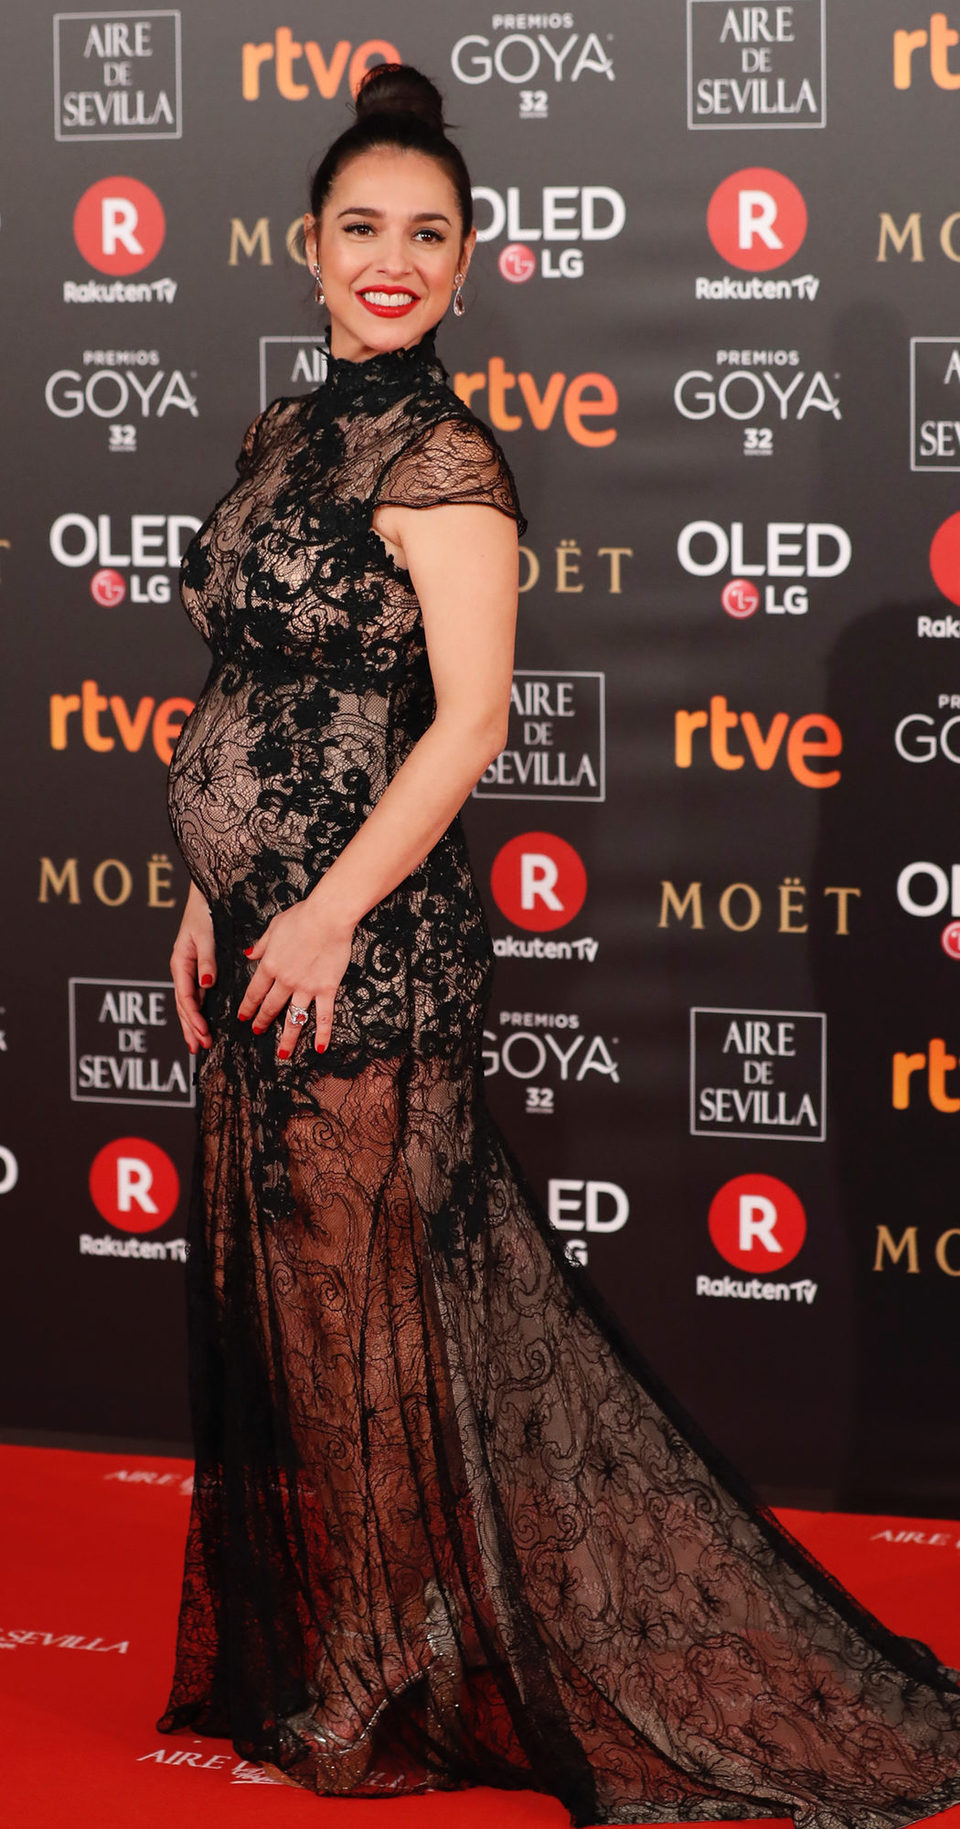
(396, 105)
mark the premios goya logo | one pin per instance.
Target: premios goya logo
(555, 748)
(538, 55)
(117, 76)
(126, 1046)
(122, 388)
(763, 390)
(756, 66)
(546, 1051)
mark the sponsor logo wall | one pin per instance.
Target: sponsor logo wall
(716, 849)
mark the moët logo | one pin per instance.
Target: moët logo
(119, 225)
(757, 1223)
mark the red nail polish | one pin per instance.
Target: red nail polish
(241, 1017)
(206, 979)
(283, 1054)
(321, 1047)
(247, 951)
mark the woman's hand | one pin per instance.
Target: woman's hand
(301, 958)
(193, 966)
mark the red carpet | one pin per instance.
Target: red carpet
(90, 1551)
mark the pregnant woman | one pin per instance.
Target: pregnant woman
(446, 1528)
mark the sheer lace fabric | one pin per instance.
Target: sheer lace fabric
(447, 1528)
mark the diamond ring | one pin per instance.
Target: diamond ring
(296, 1015)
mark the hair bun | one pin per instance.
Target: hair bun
(400, 89)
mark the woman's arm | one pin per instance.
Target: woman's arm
(463, 564)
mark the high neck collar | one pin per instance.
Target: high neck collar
(390, 369)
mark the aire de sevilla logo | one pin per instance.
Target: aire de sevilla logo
(539, 882)
(134, 1185)
(119, 225)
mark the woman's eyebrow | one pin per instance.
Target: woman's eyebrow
(362, 209)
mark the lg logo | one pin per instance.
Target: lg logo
(119, 225)
(757, 1223)
(134, 1185)
(538, 881)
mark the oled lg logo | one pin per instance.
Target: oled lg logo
(564, 213)
(135, 1188)
(586, 1207)
(119, 227)
(539, 882)
(927, 890)
(757, 220)
(796, 550)
(153, 544)
(757, 1224)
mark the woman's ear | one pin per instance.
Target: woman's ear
(310, 237)
(466, 253)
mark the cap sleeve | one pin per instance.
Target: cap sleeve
(454, 460)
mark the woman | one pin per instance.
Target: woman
(446, 1529)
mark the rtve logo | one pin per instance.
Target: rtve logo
(757, 219)
(757, 1223)
(934, 1065)
(134, 1185)
(284, 52)
(809, 740)
(941, 38)
(119, 225)
(588, 396)
(538, 881)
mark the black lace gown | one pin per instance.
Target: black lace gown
(447, 1529)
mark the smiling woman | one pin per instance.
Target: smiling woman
(447, 1528)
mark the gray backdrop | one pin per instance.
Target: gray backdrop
(712, 319)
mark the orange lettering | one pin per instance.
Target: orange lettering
(541, 410)
(288, 53)
(253, 56)
(940, 1064)
(576, 408)
(497, 386)
(167, 725)
(61, 705)
(132, 730)
(465, 386)
(684, 725)
(328, 79)
(799, 746)
(376, 50)
(904, 1065)
(764, 749)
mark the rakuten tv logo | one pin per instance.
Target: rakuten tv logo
(134, 1185)
(119, 225)
(757, 1223)
(757, 221)
(539, 882)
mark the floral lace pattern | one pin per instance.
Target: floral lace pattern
(447, 1529)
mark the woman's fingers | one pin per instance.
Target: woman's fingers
(192, 1021)
(297, 1015)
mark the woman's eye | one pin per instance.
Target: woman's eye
(352, 227)
(432, 234)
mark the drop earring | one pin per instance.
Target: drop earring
(318, 288)
(458, 305)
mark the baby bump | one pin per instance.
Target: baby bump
(262, 797)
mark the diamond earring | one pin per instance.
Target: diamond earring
(318, 288)
(458, 305)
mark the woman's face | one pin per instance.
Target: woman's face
(388, 243)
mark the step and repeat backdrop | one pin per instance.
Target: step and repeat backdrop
(713, 320)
